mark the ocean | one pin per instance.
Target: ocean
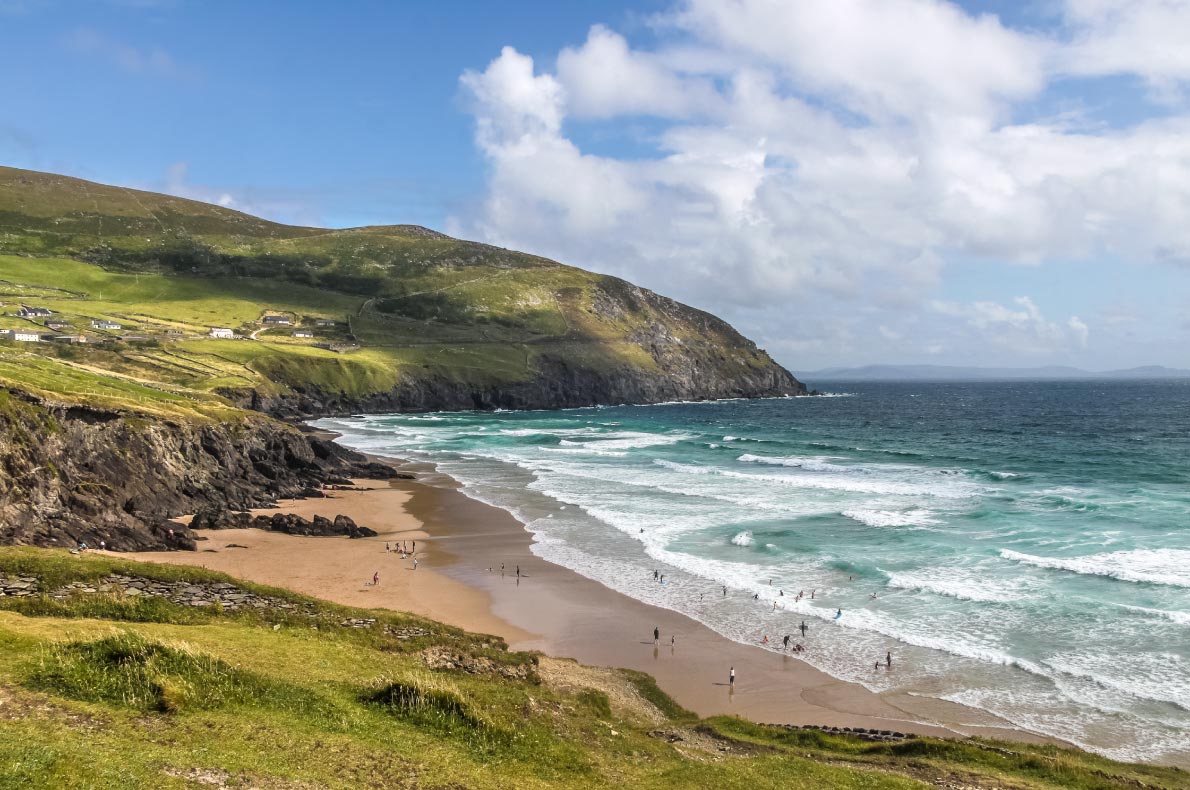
(1020, 547)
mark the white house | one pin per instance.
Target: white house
(104, 324)
(33, 312)
(20, 336)
(278, 320)
(323, 322)
(303, 333)
(220, 332)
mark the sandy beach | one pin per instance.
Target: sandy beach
(550, 608)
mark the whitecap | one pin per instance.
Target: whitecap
(743, 539)
(918, 517)
(1155, 566)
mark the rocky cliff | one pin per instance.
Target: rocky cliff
(73, 473)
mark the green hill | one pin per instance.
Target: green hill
(420, 320)
(103, 688)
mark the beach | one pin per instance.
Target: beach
(462, 545)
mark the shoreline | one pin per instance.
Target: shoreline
(552, 609)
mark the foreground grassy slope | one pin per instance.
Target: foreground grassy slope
(472, 320)
(101, 690)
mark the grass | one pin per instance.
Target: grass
(430, 312)
(106, 696)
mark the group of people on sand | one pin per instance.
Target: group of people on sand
(403, 548)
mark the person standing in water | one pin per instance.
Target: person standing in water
(803, 627)
(656, 635)
(888, 659)
(731, 678)
(785, 645)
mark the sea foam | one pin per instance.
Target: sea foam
(1153, 566)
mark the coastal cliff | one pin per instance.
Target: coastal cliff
(167, 335)
(81, 474)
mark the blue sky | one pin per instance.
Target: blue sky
(849, 182)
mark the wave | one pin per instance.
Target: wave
(918, 517)
(1145, 566)
(1181, 618)
(811, 464)
(961, 585)
(743, 539)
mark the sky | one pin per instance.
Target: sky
(848, 182)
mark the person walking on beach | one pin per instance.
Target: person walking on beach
(725, 591)
(375, 578)
(656, 635)
(673, 642)
(518, 571)
(654, 574)
(785, 643)
(731, 678)
(415, 563)
(386, 548)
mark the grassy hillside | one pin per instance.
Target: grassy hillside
(409, 306)
(102, 689)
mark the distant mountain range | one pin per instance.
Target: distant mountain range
(957, 373)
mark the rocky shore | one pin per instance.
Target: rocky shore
(75, 474)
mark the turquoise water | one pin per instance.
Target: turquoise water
(1028, 544)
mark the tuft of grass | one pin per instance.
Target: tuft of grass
(128, 670)
(597, 702)
(646, 686)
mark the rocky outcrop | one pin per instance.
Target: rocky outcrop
(289, 523)
(71, 474)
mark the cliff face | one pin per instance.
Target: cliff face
(80, 474)
(558, 385)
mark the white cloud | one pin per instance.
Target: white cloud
(819, 156)
(1021, 328)
(134, 60)
(1142, 37)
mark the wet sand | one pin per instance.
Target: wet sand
(552, 609)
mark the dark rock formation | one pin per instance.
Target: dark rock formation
(71, 474)
(321, 526)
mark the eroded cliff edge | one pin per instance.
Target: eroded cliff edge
(74, 473)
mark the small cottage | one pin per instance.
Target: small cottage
(20, 336)
(220, 332)
(33, 312)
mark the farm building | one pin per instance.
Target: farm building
(278, 320)
(221, 332)
(303, 333)
(323, 322)
(56, 325)
(105, 324)
(65, 338)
